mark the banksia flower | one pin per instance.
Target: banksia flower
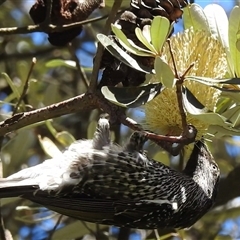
(162, 114)
(98, 181)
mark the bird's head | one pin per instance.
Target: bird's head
(202, 167)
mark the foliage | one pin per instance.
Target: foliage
(63, 73)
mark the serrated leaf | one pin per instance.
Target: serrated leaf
(194, 17)
(159, 32)
(48, 146)
(144, 41)
(164, 73)
(129, 45)
(200, 112)
(234, 28)
(132, 97)
(122, 56)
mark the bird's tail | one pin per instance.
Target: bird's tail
(102, 134)
(14, 188)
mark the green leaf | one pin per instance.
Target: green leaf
(233, 115)
(194, 17)
(200, 112)
(65, 63)
(218, 25)
(132, 97)
(220, 131)
(144, 40)
(48, 146)
(218, 22)
(128, 44)
(164, 73)
(159, 32)
(91, 129)
(214, 82)
(238, 41)
(234, 28)
(13, 87)
(65, 138)
(235, 96)
(122, 56)
(60, 62)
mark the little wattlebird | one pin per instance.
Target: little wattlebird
(101, 182)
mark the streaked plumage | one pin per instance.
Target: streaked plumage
(98, 181)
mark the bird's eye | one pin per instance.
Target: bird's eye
(214, 167)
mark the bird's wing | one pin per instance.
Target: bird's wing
(103, 211)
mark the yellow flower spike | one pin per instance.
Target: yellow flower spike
(162, 113)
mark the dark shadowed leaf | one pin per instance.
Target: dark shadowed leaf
(191, 103)
(132, 97)
(200, 112)
(122, 56)
(213, 82)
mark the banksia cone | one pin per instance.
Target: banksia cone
(64, 12)
(171, 9)
(98, 181)
(140, 14)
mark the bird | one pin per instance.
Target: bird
(99, 181)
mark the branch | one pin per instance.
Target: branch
(46, 28)
(84, 102)
(19, 120)
(98, 58)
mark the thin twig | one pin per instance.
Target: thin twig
(47, 29)
(179, 92)
(173, 59)
(55, 227)
(98, 58)
(25, 87)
